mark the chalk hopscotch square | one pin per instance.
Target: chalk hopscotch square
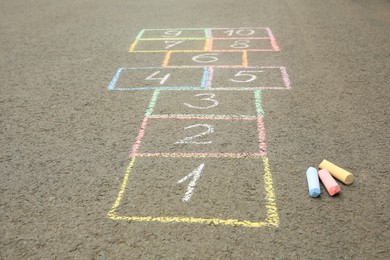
(173, 33)
(248, 32)
(250, 78)
(201, 59)
(237, 44)
(147, 78)
(189, 136)
(165, 45)
(236, 192)
(207, 103)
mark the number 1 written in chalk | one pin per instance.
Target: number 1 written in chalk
(194, 175)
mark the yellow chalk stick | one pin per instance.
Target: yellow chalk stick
(337, 172)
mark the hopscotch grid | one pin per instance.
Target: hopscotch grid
(272, 218)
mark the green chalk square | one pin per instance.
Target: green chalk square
(172, 33)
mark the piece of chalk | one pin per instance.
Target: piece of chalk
(337, 172)
(313, 182)
(330, 184)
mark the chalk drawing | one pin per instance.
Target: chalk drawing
(250, 78)
(259, 107)
(189, 139)
(181, 74)
(246, 73)
(274, 44)
(241, 44)
(172, 43)
(195, 174)
(209, 59)
(271, 220)
(171, 33)
(242, 36)
(210, 72)
(162, 80)
(205, 58)
(166, 59)
(205, 77)
(153, 102)
(206, 117)
(245, 59)
(213, 59)
(241, 32)
(209, 97)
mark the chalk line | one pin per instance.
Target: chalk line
(114, 80)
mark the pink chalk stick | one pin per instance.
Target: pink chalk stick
(330, 184)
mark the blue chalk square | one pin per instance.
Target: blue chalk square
(150, 78)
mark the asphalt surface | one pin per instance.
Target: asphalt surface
(65, 138)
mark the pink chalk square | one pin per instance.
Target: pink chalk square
(165, 45)
(182, 136)
(172, 33)
(252, 44)
(249, 32)
(224, 188)
(204, 59)
(250, 78)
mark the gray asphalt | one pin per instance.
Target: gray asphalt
(65, 138)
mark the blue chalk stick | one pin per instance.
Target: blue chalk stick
(313, 182)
